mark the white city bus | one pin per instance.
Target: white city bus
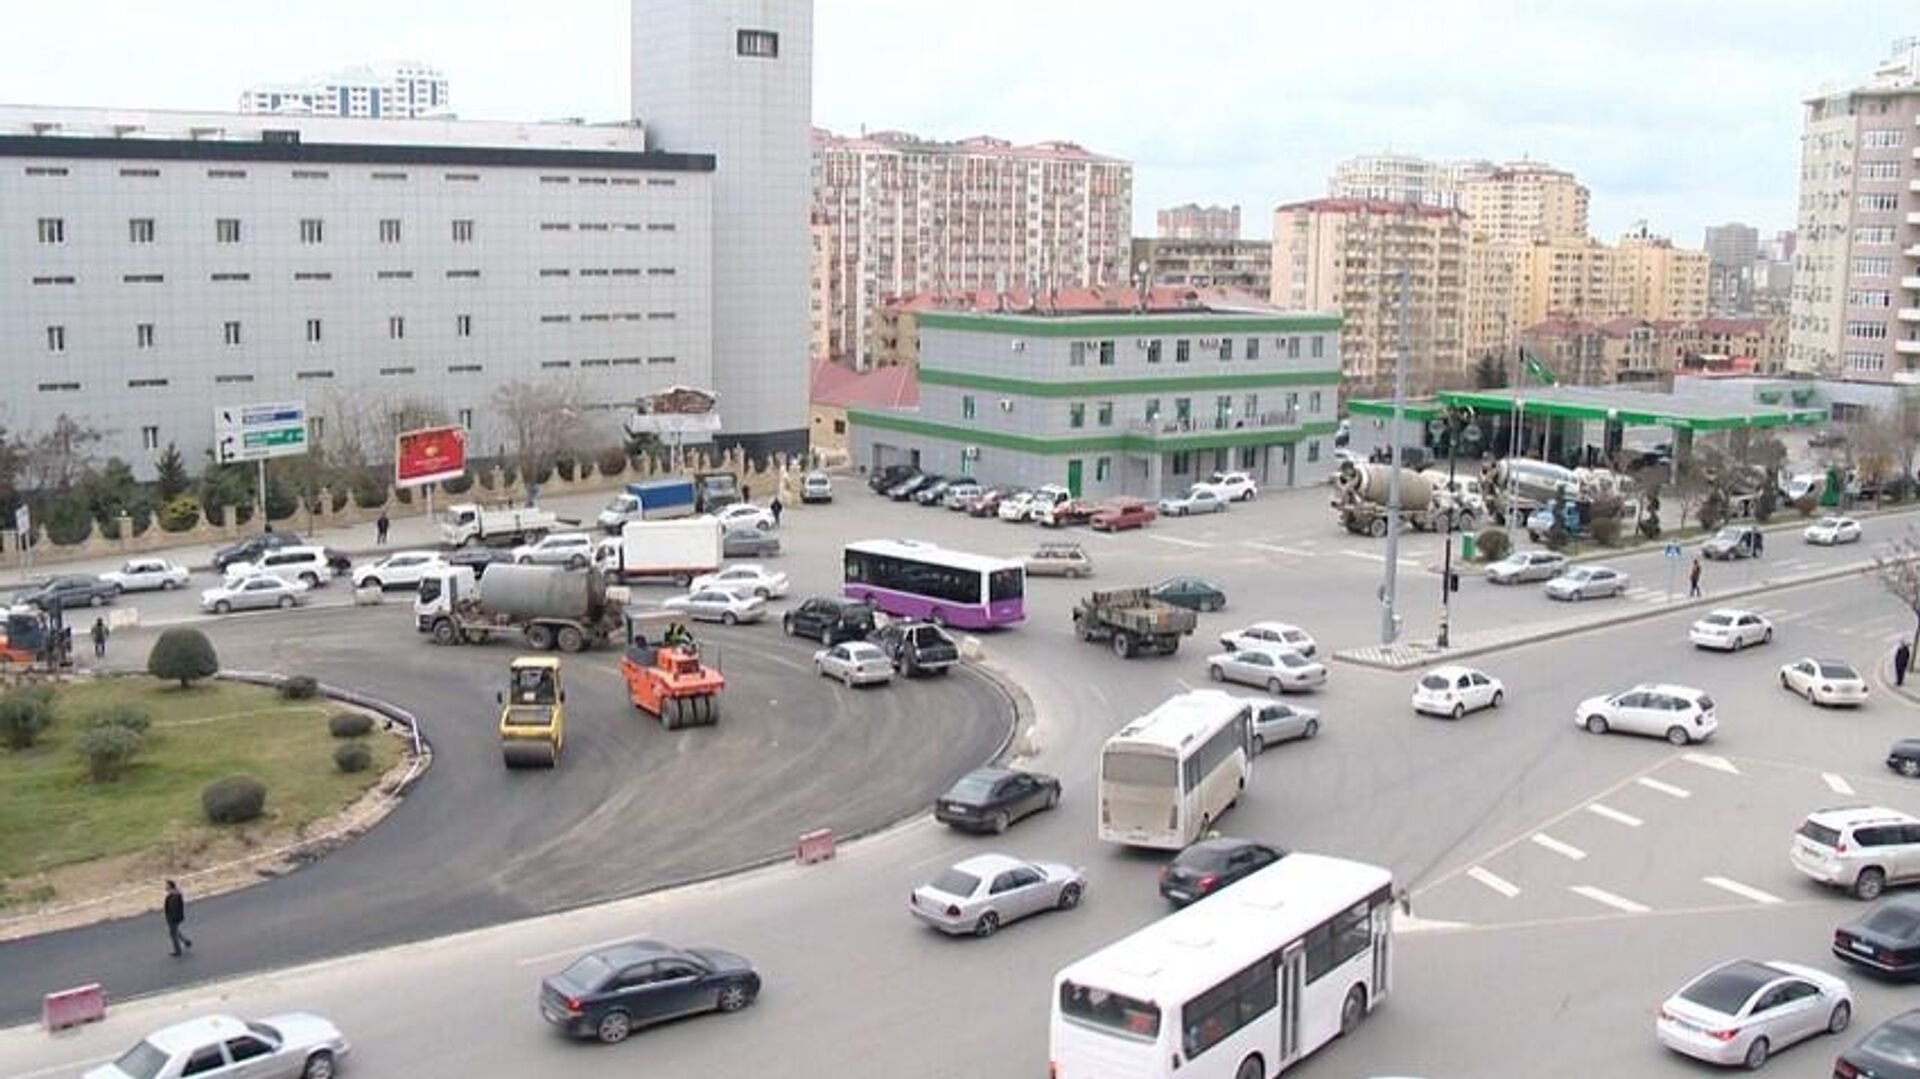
(1241, 985)
(1167, 776)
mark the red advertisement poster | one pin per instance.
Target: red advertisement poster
(430, 455)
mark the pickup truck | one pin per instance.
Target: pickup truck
(917, 647)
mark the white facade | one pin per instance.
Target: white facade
(734, 78)
(155, 265)
(399, 90)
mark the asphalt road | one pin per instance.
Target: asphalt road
(1546, 981)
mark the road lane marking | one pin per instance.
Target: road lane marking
(1599, 895)
(1557, 847)
(1178, 540)
(1613, 814)
(1402, 923)
(1277, 548)
(1664, 788)
(1374, 556)
(1836, 783)
(1708, 760)
(1744, 891)
(1497, 883)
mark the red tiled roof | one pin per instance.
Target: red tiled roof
(1371, 206)
(832, 383)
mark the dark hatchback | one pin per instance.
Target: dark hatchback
(1210, 865)
(830, 620)
(612, 992)
(1886, 938)
(251, 548)
(1904, 757)
(1889, 1051)
(989, 799)
(1189, 592)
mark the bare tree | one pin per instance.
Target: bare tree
(540, 422)
(55, 461)
(1897, 565)
(1882, 447)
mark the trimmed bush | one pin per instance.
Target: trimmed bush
(23, 715)
(1606, 530)
(234, 799)
(1493, 544)
(108, 748)
(349, 724)
(458, 485)
(124, 716)
(182, 655)
(352, 757)
(611, 462)
(300, 687)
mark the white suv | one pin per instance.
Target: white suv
(1232, 486)
(1860, 848)
(308, 565)
(570, 549)
(1680, 714)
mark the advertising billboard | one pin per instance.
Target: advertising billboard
(429, 455)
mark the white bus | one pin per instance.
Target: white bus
(1167, 776)
(1241, 985)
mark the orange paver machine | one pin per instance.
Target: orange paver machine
(665, 672)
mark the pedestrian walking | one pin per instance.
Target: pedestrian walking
(380, 526)
(1759, 543)
(99, 635)
(775, 508)
(746, 493)
(175, 909)
(1902, 656)
(1693, 579)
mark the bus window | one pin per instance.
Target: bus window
(1140, 769)
(1005, 584)
(1111, 1012)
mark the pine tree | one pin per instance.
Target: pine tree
(171, 474)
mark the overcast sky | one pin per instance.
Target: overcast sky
(1683, 112)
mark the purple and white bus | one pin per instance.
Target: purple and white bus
(910, 579)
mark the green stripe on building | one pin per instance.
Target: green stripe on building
(1145, 325)
(1119, 441)
(936, 376)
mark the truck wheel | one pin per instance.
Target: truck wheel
(570, 639)
(539, 637)
(1377, 527)
(445, 633)
(1123, 645)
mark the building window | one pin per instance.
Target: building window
(313, 331)
(1077, 354)
(56, 338)
(143, 278)
(1076, 415)
(463, 325)
(1101, 466)
(1313, 450)
(464, 417)
(1867, 331)
(1248, 454)
(1182, 350)
(232, 277)
(231, 333)
(1886, 202)
(966, 407)
(1879, 170)
(143, 335)
(310, 230)
(764, 44)
(1883, 139)
(389, 230)
(150, 438)
(323, 275)
(1250, 406)
(1180, 463)
(1106, 353)
(1253, 348)
(1182, 410)
(1869, 298)
(1873, 266)
(463, 232)
(1153, 409)
(1103, 415)
(1293, 348)
(140, 230)
(58, 279)
(1319, 347)
(396, 327)
(1226, 348)
(226, 230)
(53, 230)
(1153, 351)
(1313, 402)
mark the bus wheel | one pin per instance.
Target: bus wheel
(1353, 1009)
(1252, 1068)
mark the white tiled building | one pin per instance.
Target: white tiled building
(397, 90)
(155, 265)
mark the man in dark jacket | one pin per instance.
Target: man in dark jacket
(1902, 656)
(176, 912)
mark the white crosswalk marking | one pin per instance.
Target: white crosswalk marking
(1499, 884)
(1664, 788)
(1708, 760)
(1837, 783)
(1177, 540)
(1614, 815)
(1599, 895)
(1277, 548)
(1744, 891)
(1566, 849)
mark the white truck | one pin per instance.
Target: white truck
(677, 551)
(471, 524)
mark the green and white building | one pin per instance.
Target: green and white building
(1116, 402)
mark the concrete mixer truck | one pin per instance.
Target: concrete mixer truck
(552, 606)
(1360, 500)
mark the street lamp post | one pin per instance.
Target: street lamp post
(1455, 415)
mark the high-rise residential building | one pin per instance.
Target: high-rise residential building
(1196, 222)
(1246, 265)
(1402, 178)
(1642, 277)
(907, 215)
(1856, 265)
(395, 90)
(1523, 202)
(819, 299)
(735, 77)
(1732, 244)
(1626, 350)
(1655, 280)
(1348, 255)
(1733, 252)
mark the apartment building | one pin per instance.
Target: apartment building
(1524, 202)
(1855, 308)
(1630, 350)
(1195, 222)
(1402, 178)
(1246, 265)
(396, 90)
(1643, 276)
(1348, 255)
(908, 215)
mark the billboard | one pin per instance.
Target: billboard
(429, 455)
(259, 432)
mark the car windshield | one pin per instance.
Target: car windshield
(587, 972)
(1819, 833)
(955, 882)
(143, 1061)
(1893, 919)
(1895, 1042)
(1004, 584)
(1293, 659)
(1434, 681)
(1110, 1012)
(1728, 989)
(1717, 620)
(1838, 670)
(971, 789)
(265, 1033)
(1829, 522)
(1728, 535)
(1206, 858)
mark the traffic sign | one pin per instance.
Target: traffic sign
(1672, 550)
(259, 432)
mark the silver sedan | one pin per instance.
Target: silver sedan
(856, 663)
(1275, 721)
(253, 593)
(277, 1047)
(718, 605)
(1587, 582)
(987, 891)
(1275, 670)
(1522, 566)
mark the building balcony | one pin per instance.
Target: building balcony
(1206, 430)
(1913, 185)
(1913, 218)
(1907, 348)
(1912, 252)
(1909, 314)
(1912, 282)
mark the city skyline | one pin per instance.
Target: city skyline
(1613, 96)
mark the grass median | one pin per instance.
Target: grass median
(54, 818)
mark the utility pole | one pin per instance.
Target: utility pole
(1390, 621)
(1453, 418)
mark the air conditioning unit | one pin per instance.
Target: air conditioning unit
(1018, 345)
(969, 453)
(1006, 404)
(1140, 343)
(1209, 342)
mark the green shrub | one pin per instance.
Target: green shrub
(352, 757)
(234, 799)
(23, 715)
(38, 691)
(300, 687)
(611, 462)
(458, 485)
(1606, 530)
(349, 724)
(182, 655)
(108, 748)
(124, 716)
(1493, 544)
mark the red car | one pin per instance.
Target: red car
(1122, 514)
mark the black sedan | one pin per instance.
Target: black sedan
(748, 543)
(251, 548)
(1904, 757)
(1189, 592)
(74, 590)
(1889, 1051)
(989, 799)
(1210, 865)
(608, 993)
(1886, 938)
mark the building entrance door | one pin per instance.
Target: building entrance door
(1073, 477)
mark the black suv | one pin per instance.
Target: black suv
(830, 619)
(917, 648)
(251, 548)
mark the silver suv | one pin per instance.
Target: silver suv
(1860, 848)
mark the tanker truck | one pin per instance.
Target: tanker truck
(1360, 500)
(552, 606)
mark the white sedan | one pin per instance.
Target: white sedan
(1824, 681)
(746, 515)
(146, 575)
(1745, 1011)
(1730, 629)
(1829, 531)
(719, 605)
(1198, 499)
(1454, 691)
(401, 569)
(1277, 670)
(277, 1047)
(253, 593)
(573, 550)
(856, 663)
(747, 578)
(1270, 635)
